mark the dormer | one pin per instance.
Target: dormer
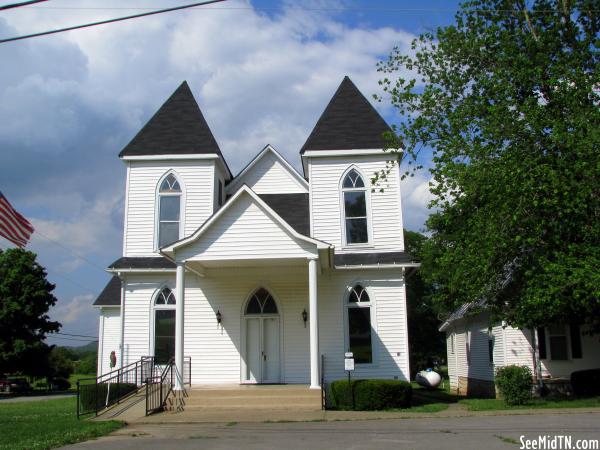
(176, 176)
(341, 155)
(269, 173)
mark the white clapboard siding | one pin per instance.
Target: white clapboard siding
(109, 335)
(197, 183)
(452, 359)
(245, 231)
(217, 353)
(389, 338)
(269, 175)
(385, 208)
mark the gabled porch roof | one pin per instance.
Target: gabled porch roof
(247, 231)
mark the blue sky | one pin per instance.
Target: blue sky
(262, 72)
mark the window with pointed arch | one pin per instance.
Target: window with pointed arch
(164, 326)
(169, 210)
(354, 194)
(358, 315)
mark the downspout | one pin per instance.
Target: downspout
(122, 344)
(537, 365)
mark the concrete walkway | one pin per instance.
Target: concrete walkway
(480, 431)
(285, 416)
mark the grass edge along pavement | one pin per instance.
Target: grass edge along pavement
(46, 424)
(492, 404)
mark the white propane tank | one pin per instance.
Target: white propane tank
(428, 378)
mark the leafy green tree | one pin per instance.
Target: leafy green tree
(88, 364)
(25, 298)
(509, 106)
(60, 362)
(426, 343)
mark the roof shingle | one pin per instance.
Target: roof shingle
(177, 128)
(293, 208)
(348, 122)
(111, 294)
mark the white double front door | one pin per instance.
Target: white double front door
(262, 349)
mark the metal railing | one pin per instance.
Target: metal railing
(160, 385)
(95, 394)
(323, 387)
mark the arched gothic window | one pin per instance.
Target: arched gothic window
(359, 325)
(261, 302)
(354, 195)
(169, 210)
(164, 326)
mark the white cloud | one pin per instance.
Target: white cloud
(416, 196)
(74, 310)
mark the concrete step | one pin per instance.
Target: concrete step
(270, 401)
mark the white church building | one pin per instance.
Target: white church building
(269, 276)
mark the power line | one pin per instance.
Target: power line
(73, 252)
(296, 8)
(17, 5)
(103, 22)
(76, 335)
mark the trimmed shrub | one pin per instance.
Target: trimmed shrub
(92, 397)
(515, 384)
(59, 384)
(370, 395)
(586, 383)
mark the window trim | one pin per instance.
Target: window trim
(153, 308)
(158, 195)
(368, 217)
(373, 316)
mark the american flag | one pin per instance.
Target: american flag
(13, 226)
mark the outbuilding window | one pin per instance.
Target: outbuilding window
(169, 210)
(359, 325)
(354, 195)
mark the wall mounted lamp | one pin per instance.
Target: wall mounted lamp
(219, 317)
(304, 317)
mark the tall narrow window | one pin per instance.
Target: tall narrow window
(355, 208)
(169, 209)
(164, 326)
(359, 325)
(220, 199)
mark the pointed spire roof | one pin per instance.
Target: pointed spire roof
(177, 128)
(348, 122)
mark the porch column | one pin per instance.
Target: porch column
(315, 382)
(179, 298)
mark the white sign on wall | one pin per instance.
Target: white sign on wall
(349, 364)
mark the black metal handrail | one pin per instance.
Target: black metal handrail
(158, 388)
(97, 393)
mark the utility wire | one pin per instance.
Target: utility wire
(76, 335)
(71, 251)
(103, 22)
(17, 5)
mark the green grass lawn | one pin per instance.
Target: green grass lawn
(491, 404)
(46, 424)
(430, 400)
(78, 376)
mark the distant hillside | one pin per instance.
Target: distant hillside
(92, 347)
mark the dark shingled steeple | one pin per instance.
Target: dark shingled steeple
(348, 122)
(177, 128)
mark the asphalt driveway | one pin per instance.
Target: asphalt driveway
(476, 432)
